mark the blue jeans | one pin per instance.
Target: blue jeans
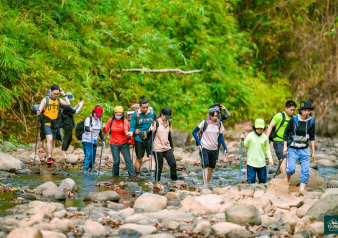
(304, 160)
(124, 149)
(261, 174)
(90, 154)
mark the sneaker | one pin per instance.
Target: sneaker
(50, 161)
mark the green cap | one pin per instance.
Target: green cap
(70, 96)
(260, 123)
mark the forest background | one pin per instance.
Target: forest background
(255, 55)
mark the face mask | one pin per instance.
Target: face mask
(118, 117)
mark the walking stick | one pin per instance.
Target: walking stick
(284, 156)
(36, 139)
(203, 168)
(240, 162)
(98, 173)
(151, 157)
(91, 135)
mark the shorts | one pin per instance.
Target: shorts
(210, 158)
(278, 146)
(50, 131)
(140, 148)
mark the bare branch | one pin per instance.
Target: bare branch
(177, 71)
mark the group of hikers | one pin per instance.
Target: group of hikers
(151, 135)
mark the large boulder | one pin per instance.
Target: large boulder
(315, 178)
(25, 233)
(278, 186)
(102, 196)
(181, 138)
(72, 159)
(149, 202)
(68, 185)
(58, 156)
(243, 215)
(325, 206)
(51, 190)
(9, 163)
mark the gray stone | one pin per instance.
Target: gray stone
(72, 159)
(68, 185)
(51, 190)
(325, 206)
(143, 229)
(243, 215)
(102, 196)
(25, 233)
(115, 205)
(149, 202)
(9, 163)
(229, 229)
(28, 196)
(23, 171)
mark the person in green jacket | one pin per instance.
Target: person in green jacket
(258, 144)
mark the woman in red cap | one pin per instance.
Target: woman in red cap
(93, 127)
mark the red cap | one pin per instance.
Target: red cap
(98, 110)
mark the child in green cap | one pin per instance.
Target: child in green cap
(258, 145)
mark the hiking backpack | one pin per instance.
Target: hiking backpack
(205, 126)
(138, 116)
(80, 128)
(274, 131)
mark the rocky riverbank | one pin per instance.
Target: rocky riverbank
(121, 207)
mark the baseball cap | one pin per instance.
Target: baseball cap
(98, 110)
(70, 96)
(166, 112)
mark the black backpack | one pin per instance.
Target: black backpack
(274, 130)
(80, 128)
(205, 126)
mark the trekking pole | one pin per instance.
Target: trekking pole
(61, 136)
(240, 162)
(98, 173)
(92, 139)
(203, 168)
(36, 139)
(284, 156)
(151, 157)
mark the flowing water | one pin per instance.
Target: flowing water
(88, 182)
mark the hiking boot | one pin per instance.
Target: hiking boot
(50, 161)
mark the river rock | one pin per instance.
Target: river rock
(51, 190)
(126, 212)
(229, 229)
(115, 205)
(329, 192)
(60, 214)
(315, 178)
(170, 215)
(149, 202)
(243, 215)
(202, 227)
(301, 212)
(321, 156)
(94, 228)
(139, 219)
(23, 171)
(325, 163)
(9, 163)
(325, 206)
(72, 159)
(143, 229)
(172, 195)
(58, 156)
(278, 186)
(53, 234)
(332, 183)
(64, 225)
(68, 185)
(102, 196)
(27, 232)
(28, 196)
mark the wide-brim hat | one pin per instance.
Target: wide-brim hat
(305, 105)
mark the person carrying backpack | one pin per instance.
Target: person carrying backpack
(163, 144)
(92, 129)
(68, 123)
(276, 129)
(140, 123)
(211, 132)
(258, 144)
(302, 129)
(50, 121)
(119, 128)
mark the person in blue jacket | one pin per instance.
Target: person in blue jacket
(140, 123)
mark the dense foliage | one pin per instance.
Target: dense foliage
(83, 45)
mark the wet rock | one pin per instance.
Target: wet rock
(35, 169)
(94, 228)
(53, 234)
(229, 229)
(25, 233)
(243, 214)
(149, 202)
(102, 196)
(9, 163)
(315, 178)
(325, 206)
(72, 159)
(131, 187)
(23, 171)
(68, 185)
(28, 196)
(143, 229)
(51, 190)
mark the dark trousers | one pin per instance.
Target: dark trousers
(169, 156)
(67, 139)
(124, 149)
(261, 174)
